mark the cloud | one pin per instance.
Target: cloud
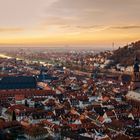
(11, 29)
(22, 12)
(55, 20)
(127, 27)
(97, 11)
(87, 18)
(89, 26)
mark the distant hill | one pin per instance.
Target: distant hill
(125, 55)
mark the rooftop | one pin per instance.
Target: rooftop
(17, 82)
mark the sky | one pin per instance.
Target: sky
(69, 21)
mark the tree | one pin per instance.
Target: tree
(36, 131)
(13, 116)
(26, 103)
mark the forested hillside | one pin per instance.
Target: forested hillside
(125, 55)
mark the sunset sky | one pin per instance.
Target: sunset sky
(69, 21)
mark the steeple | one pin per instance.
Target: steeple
(136, 65)
(136, 75)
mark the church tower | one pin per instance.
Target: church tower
(136, 75)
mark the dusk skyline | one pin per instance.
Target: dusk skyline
(69, 22)
(69, 70)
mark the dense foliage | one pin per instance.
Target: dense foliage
(125, 55)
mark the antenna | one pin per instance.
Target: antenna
(113, 46)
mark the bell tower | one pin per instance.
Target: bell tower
(135, 83)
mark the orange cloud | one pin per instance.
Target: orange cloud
(10, 29)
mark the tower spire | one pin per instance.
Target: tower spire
(136, 65)
(136, 75)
